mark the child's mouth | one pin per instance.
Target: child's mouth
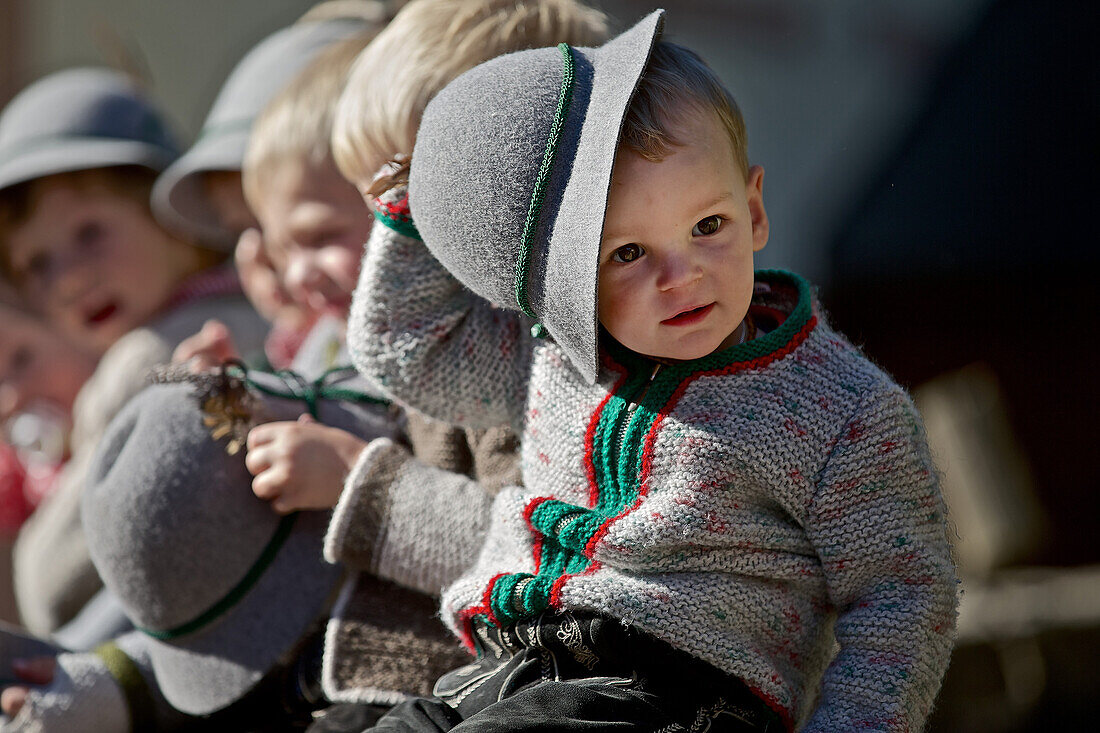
(688, 317)
(101, 315)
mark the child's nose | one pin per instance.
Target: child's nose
(301, 276)
(677, 269)
(69, 277)
(305, 278)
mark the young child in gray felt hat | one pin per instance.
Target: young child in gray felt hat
(730, 518)
(200, 194)
(79, 151)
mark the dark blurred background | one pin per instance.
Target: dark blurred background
(931, 165)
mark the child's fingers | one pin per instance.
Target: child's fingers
(214, 331)
(263, 434)
(12, 699)
(257, 460)
(283, 505)
(188, 348)
(270, 484)
(35, 670)
(212, 346)
(249, 249)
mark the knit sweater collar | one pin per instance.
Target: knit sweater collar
(783, 294)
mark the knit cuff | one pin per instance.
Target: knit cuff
(392, 210)
(380, 653)
(358, 525)
(83, 697)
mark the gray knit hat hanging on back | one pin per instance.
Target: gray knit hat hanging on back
(510, 176)
(178, 198)
(80, 119)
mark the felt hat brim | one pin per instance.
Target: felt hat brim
(210, 669)
(179, 199)
(65, 155)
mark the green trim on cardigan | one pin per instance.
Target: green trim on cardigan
(618, 458)
(404, 227)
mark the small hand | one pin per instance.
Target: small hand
(300, 465)
(209, 348)
(35, 671)
(259, 278)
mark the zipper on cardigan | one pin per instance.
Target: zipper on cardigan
(632, 407)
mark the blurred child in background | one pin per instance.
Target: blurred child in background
(80, 152)
(198, 198)
(40, 376)
(201, 195)
(315, 242)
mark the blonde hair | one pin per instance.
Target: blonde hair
(427, 45)
(371, 11)
(296, 125)
(676, 83)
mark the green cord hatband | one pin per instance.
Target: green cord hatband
(235, 594)
(538, 194)
(297, 388)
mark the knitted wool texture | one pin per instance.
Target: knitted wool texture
(83, 697)
(750, 508)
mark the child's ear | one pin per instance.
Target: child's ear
(754, 192)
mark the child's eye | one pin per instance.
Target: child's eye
(707, 226)
(21, 359)
(627, 253)
(37, 266)
(88, 234)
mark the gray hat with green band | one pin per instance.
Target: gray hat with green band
(223, 585)
(80, 119)
(510, 176)
(178, 197)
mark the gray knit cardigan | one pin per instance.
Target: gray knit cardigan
(771, 508)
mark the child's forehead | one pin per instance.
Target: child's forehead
(54, 203)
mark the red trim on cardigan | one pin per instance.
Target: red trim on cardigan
(590, 436)
(486, 607)
(527, 512)
(556, 588)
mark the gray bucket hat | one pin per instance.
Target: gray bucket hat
(80, 119)
(513, 204)
(221, 584)
(178, 198)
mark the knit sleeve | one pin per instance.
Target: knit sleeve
(878, 522)
(429, 342)
(405, 521)
(111, 690)
(53, 572)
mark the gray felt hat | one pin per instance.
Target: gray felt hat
(224, 587)
(178, 197)
(80, 119)
(510, 176)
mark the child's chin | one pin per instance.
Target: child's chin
(683, 353)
